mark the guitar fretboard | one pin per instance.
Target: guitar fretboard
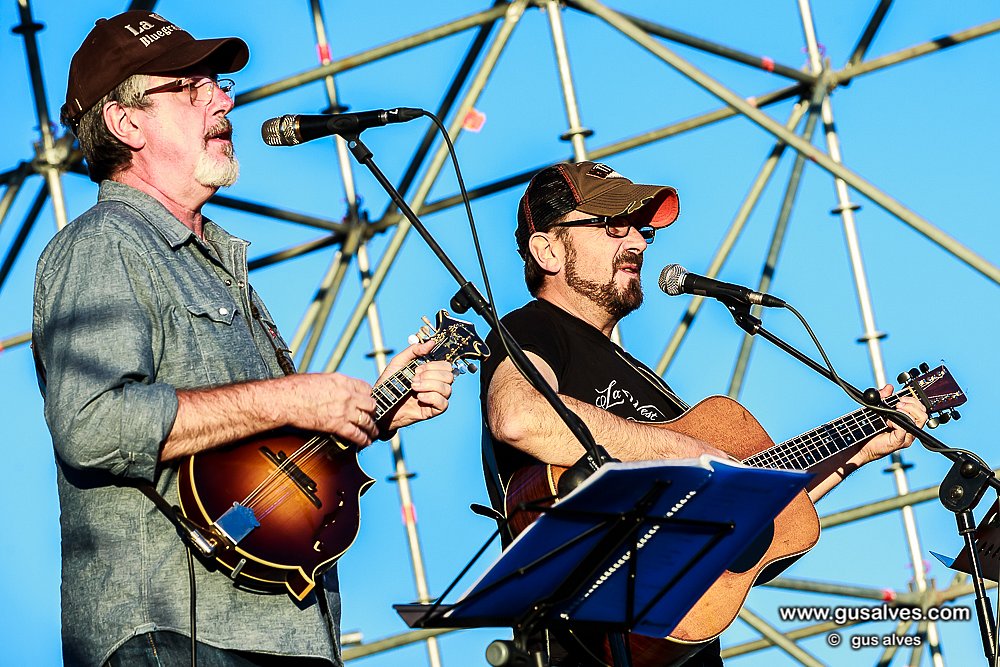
(819, 444)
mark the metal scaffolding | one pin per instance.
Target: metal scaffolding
(488, 32)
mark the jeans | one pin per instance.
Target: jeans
(170, 649)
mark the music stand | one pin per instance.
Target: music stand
(987, 539)
(631, 549)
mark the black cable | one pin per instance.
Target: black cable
(193, 607)
(898, 414)
(468, 212)
(500, 331)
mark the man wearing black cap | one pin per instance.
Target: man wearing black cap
(151, 345)
(582, 230)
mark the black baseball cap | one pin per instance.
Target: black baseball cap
(140, 42)
(590, 187)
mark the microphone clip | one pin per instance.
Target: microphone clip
(740, 311)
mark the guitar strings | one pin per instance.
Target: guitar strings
(278, 482)
(806, 450)
(800, 450)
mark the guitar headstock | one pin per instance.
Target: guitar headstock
(457, 342)
(937, 390)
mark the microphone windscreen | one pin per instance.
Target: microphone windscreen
(672, 279)
(280, 131)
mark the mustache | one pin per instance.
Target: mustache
(222, 128)
(628, 258)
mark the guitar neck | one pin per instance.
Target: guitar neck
(819, 444)
(393, 389)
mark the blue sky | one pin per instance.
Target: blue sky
(924, 131)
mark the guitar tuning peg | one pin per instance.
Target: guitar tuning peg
(944, 418)
(955, 414)
(903, 378)
(473, 368)
(924, 367)
(933, 423)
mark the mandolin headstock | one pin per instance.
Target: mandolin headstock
(937, 390)
(457, 342)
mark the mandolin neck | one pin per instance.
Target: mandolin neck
(819, 444)
(393, 389)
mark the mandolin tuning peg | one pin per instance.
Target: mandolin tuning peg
(933, 423)
(426, 321)
(924, 367)
(413, 339)
(914, 372)
(944, 418)
(955, 414)
(473, 368)
(903, 378)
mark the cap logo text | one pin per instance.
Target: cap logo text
(603, 171)
(146, 26)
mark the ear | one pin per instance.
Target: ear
(118, 120)
(548, 251)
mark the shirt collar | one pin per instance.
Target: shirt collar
(174, 232)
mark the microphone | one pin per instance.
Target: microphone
(675, 280)
(295, 129)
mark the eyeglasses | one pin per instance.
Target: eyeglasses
(200, 88)
(616, 228)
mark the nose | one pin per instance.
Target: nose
(634, 241)
(222, 100)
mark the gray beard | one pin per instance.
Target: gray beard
(215, 174)
(616, 303)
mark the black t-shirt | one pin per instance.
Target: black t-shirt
(588, 367)
(591, 368)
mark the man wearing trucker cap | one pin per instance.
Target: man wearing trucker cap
(582, 231)
(152, 346)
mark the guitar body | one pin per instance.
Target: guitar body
(309, 515)
(727, 425)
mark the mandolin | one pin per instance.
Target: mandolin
(282, 507)
(727, 425)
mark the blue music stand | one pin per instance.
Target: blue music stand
(632, 549)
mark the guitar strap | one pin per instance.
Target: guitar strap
(654, 380)
(284, 362)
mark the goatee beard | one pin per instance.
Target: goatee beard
(212, 172)
(616, 302)
(215, 173)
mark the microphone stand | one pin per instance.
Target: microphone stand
(962, 489)
(468, 296)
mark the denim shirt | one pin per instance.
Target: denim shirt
(131, 306)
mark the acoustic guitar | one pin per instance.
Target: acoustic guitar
(282, 507)
(727, 425)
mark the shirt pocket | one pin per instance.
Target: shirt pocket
(220, 311)
(223, 341)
